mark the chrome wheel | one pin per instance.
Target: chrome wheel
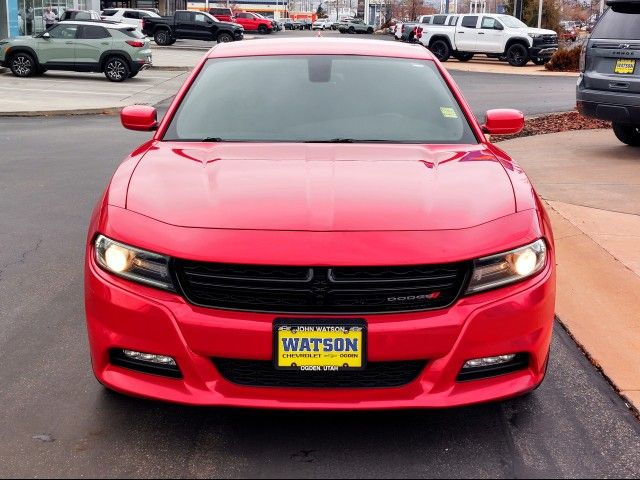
(22, 65)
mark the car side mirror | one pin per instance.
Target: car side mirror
(139, 117)
(503, 122)
(46, 35)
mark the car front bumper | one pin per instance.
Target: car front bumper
(543, 51)
(126, 315)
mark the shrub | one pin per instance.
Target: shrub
(565, 60)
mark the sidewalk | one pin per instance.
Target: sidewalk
(591, 184)
(57, 93)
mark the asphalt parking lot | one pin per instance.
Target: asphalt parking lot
(57, 416)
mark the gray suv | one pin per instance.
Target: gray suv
(609, 87)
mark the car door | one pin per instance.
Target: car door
(204, 26)
(467, 34)
(92, 41)
(490, 35)
(185, 26)
(58, 49)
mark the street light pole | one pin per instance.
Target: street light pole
(540, 14)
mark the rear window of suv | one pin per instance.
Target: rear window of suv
(622, 24)
(332, 102)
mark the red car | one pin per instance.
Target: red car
(371, 249)
(253, 22)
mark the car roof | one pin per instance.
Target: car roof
(320, 46)
(104, 23)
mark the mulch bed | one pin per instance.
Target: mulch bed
(555, 123)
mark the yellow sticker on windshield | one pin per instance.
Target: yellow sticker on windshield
(448, 112)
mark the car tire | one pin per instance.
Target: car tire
(517, 55)
(23, 65)
(463, 56)
(116, 69)
(540, 61)
(351, 30)
(225, 38)
(369, 30)
(162, 37)
(262, 29)
(628, 134)
(441, 50)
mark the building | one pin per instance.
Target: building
(25, 17)
(375, 12)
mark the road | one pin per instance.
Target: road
(57, 421)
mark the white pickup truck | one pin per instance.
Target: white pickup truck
(499, 36)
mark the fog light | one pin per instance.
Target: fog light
(488, 361)
(149, 357)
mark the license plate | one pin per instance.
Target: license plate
(319, 345)
(625, 67)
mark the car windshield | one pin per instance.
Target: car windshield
(622, 24)
(338, 99)
(512, 22)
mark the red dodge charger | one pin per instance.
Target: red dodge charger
(320, 224)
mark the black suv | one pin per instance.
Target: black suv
(609, 87)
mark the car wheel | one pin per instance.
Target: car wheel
(225, 38)
(463, 56)
(116, 69)
(540, 61)
(628, 134)
(352, 30)
(22, 65)
(441, 50)
(162, 37)
(517, 55)
(262, 29)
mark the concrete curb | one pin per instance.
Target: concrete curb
(62, 113)
(167, 68)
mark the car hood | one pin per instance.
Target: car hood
(541, 31)
(320, 187)
(231, 24)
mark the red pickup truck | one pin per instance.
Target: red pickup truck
(223, 14)
(251, 21)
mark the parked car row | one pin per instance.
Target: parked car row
(495, 35)
(192, 25)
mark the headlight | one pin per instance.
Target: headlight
(132, 263)
(508, 267)
(535, 35)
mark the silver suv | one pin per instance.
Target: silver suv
(609, 87)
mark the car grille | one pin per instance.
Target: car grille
(262, 374)
(339, 290)
(546, 40)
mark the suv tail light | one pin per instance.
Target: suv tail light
(135, 43)
(418, 32)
